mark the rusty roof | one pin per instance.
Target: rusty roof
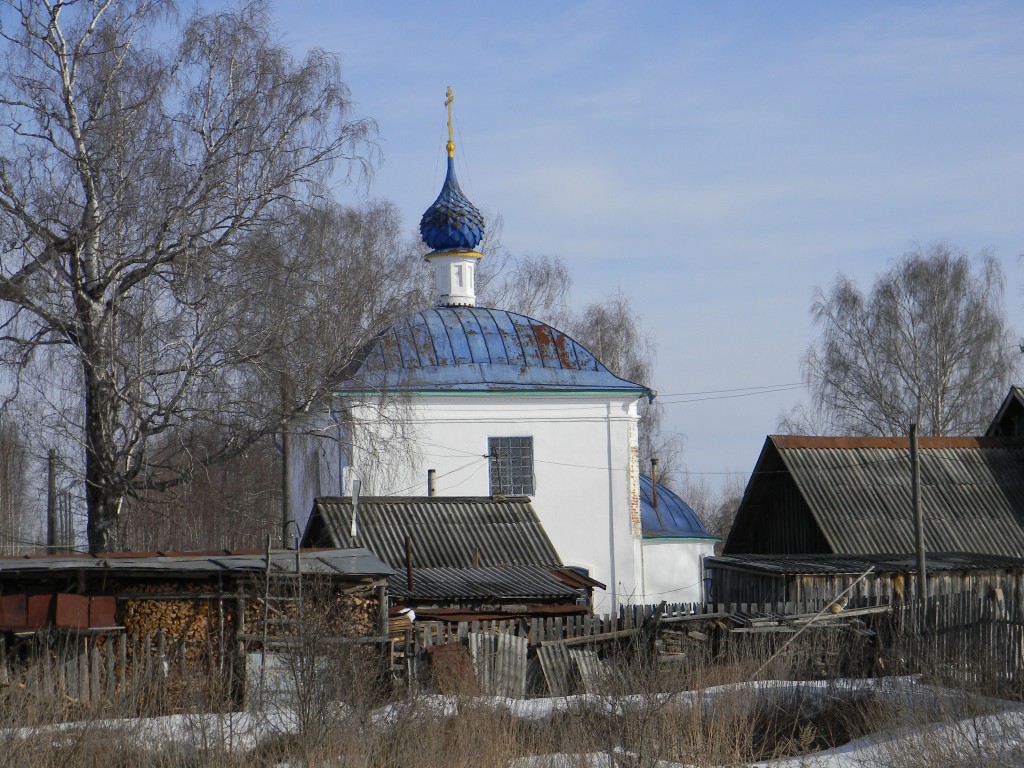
(446, 531)
(858, 490)
(850, 565)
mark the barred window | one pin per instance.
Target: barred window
(511, 460)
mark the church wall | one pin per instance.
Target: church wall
(673, 569)
(582, 459)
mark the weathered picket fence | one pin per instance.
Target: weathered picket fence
(146, 671)
(964, 637)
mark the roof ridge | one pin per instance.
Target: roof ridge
(785, 442)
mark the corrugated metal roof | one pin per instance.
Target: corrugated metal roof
(672, 519)
(858, 490)
(446, 531)
(857, 564)
(1007, 421)
(515, 582)
(572, 577)
(348, 562)
(475, 349)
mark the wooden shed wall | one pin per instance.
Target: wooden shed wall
(773, 517)
(733, 585)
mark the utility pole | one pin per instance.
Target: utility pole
(286, 471)
(51, 503)
(915, 494)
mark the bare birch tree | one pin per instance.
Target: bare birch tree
(310, 294)
(13, 466)
(139, 157)
(613, 331)
(928, 344)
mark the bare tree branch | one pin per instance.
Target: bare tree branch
(928, 345)
(137, 179)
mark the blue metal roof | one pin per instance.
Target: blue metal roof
(452, 223)
(673, 518)
(475, 349)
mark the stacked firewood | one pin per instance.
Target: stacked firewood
(362, 616)
(193, 622)
(324, 613)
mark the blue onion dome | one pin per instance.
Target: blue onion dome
(452, 223)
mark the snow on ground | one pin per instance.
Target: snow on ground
(995, 737)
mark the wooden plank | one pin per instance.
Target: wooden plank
(762, 630)
(95, 694)
(694, 617)
(616, 635)
(109, 674)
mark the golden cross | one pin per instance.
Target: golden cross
(448, 103)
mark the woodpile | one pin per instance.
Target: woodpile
(198, 624)
(400, 622)
(193, 623)
(324, 613)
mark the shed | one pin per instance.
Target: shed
(488, 555)
(506, 592)
(118, 592)
(1009, 419)
(118, 616)
(852, 496)
(819, 579)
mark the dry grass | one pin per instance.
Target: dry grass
(689, 713)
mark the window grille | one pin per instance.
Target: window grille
(511, 465)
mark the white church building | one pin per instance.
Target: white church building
(488, 402)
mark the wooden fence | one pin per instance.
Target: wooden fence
(967, 638)
(142, 672)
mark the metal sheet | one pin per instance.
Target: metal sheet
(592, 671)
(857, 490)
(672, 518)
(852, 565)
(558, 669)
(351, 562)
(492, 584)
(446, 531)
(499, 661)
(479, 349)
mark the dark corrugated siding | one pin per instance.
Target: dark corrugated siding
(510, 583)
(446, 531)
(774, 517)
(973, 498)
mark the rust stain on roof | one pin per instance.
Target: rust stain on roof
(783, 442)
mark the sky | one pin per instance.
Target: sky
(713, 161)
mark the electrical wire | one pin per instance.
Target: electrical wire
(728, 391)
(730, 397)
(471, 475)
(438, 477)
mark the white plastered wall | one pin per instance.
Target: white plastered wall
(674, 569)
(582, 467)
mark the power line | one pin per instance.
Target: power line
(730, 397)
(736, 389)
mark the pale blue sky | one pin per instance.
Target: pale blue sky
(715, 161)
